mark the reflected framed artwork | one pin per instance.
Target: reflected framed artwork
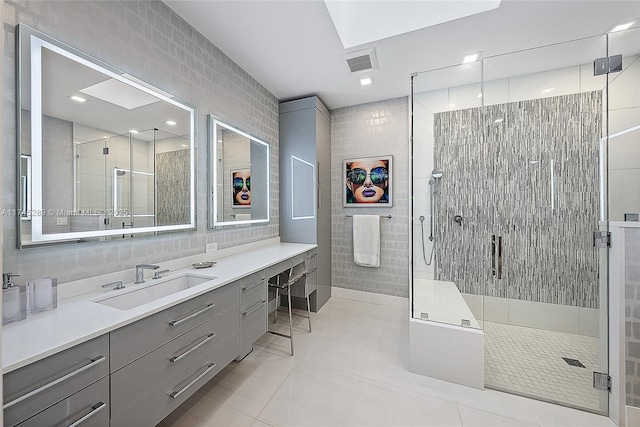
(241, 187)
(367, 181)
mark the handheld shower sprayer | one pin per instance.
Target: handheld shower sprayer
(434, 188)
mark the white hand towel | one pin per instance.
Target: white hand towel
(366, 240)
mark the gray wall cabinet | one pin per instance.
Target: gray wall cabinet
(305, 205)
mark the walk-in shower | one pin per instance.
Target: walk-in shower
(512, 261)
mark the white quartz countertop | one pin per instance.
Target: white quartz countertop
(79, 319)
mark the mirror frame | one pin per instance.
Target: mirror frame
(213, 126)
(33, 41)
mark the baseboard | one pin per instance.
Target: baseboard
(369, 297)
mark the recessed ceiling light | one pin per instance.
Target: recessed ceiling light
(471, 58)
(170, 122)
(78, 98)
(133, 131)
(480, 95)
(498, 120)
(184, 145)
(366, 81)
(621, 27)
(548, 90)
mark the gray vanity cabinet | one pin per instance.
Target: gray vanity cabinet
(86, 408)
(65, 387)
(163, 359)
(253, 310)
(305, 147)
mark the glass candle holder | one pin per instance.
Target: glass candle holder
(42, 294)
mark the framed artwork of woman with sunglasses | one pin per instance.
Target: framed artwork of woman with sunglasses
(241, 184)
(367, 181)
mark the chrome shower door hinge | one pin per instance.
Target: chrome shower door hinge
(601, 381)
(601, 239)
(606, 65)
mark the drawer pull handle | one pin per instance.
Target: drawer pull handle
(192, 315)
(246, 288)
(95, 361)
(175, 394)
(254, 308)
(206, 339)
(95, 409)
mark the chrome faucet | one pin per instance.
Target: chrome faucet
(140, 271)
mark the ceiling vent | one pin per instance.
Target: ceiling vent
(361, 60)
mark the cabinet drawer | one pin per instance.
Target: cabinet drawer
(279, 268)
(253, 295)
(247, 284)
(133, 341)
(298, 259)
(131, 382)
(253, 325)
(158, 403)
(87, 408)
(41, 384)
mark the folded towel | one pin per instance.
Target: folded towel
(366, 240)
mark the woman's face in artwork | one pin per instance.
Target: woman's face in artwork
(368, 180)
(242, 187)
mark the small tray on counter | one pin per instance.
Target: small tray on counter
(204, 264)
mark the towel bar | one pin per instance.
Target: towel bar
(381, 216)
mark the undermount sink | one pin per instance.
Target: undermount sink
(151, 291)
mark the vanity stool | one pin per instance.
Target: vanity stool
(285, 283)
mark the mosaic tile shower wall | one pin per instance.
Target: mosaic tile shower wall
(172, 181)
(527, 173)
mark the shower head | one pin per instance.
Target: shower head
(437, 173)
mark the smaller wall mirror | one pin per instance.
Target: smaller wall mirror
(239, 166)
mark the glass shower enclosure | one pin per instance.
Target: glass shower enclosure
(510, 169)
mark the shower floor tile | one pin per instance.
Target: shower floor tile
(530, 362)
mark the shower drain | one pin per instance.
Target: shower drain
(573, 362)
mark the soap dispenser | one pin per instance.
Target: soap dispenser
(14, 299)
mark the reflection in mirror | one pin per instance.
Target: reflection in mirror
(239, 176)
(110, 157)
(302, 189)
(25, 187)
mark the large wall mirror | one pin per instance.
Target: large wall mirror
(239, 165)
(101, 155)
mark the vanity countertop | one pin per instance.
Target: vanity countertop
(79, 319)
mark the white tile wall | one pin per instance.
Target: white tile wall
(375, 129)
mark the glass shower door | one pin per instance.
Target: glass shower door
(544, 311)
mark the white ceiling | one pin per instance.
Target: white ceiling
(293, 48)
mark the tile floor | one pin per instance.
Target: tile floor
(352, 371)
(529, 361)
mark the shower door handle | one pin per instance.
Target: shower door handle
(499, 257)
(493, 254)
